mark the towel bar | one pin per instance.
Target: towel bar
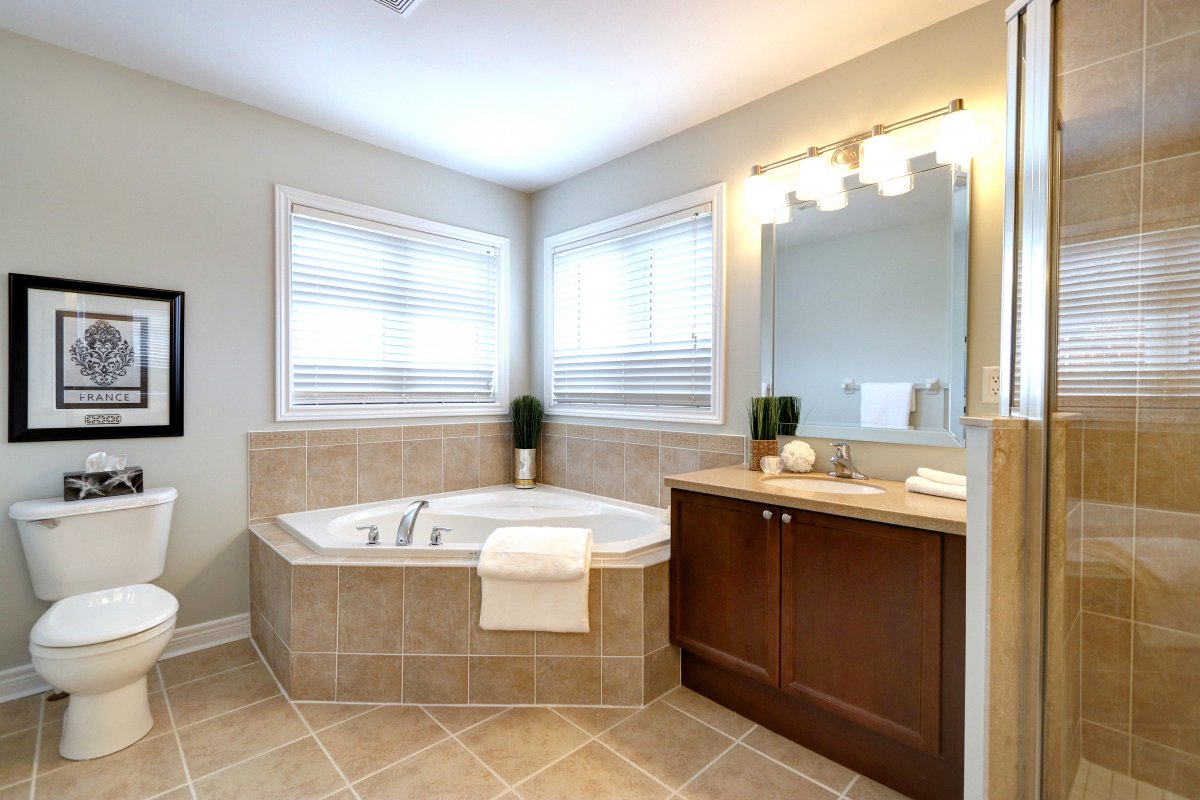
(931, 386)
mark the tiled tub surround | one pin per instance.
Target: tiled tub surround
(406, 631)
(298, 470)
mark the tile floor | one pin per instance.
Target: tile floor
(223, 730)
(1093, 782)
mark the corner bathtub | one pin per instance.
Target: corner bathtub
(620, 530)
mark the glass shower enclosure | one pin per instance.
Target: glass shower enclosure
(1101, 354)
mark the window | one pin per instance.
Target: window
(385, 315)
(1128, 319)
(634, 313)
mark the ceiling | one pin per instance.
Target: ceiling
(525, 93)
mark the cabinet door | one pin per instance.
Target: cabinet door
(725, 582)
(862, 623)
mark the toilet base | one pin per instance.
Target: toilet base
(100, 724)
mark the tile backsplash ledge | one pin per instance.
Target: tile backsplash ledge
(304, 470)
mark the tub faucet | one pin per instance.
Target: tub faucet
(404, 533)
(843, 466)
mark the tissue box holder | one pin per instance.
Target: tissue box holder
(106, 483)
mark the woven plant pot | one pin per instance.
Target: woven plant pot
(761, 448)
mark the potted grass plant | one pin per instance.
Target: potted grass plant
(789, 414)
(763, 413)
(526, 412)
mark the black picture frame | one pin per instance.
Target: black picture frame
(91, 426)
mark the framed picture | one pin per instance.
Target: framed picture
(93, 360)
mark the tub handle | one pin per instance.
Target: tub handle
(372, 533)
(767, 514)
(787, 519)
(435, 535)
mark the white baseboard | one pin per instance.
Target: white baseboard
(23, 681)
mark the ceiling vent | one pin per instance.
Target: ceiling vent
(401, 7)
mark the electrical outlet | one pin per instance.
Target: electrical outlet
(991, 385)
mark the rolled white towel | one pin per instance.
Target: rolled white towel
(925, 486)
(937, 476)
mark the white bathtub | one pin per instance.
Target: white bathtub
(620, 530)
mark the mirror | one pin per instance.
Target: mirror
(874, 292)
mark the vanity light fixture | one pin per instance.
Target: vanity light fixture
(875, 154)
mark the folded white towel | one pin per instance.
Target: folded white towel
(536, 554)
(555, 606)
(926, 486)
(886, 405)
(937, 476)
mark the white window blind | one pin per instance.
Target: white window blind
(384, 315)
(1129, 317)
(634, 315)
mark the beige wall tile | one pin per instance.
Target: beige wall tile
(436, 605)
(552, 460)
(621, 681)
(717, 443)
(458, 429)
(673, 460)
(435, 679)
(460, 463)
(1101, 206)
(1169, 769)
(495, 428)
(414, 432)
(314, 608)
(641, 474)
(370, 615)
(388, 434)
(422, 467)
(502, 680)
(279, 600)
(1167, 19)
(1165, 593)
(1172, 101)
(1092, 32)
(605, 434)
(380, 471)
(661, 672)
(279, 659)
(577, 644)
(325, 436)
(1101, 108)
(642, 436)
(710, 460)
(567, 680)
(1166, 692)
(500, 643)
(609, 471)
(277, 481)
(495, 460)
(1105, 747)
(1168, 463)
(655, 606)
(687, 441)
(580, 432)
(1107, 565)
(581, 455)
(622, 612)
(1172, 194)
(1108, 463)
(313, 676)
(261, 439)
(260, 571)
(375, 679)
(332, 476)
(1106, 652)
(554, 429)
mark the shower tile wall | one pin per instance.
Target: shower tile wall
(1129, 89)
(306, 470)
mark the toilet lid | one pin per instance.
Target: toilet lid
(103, 616)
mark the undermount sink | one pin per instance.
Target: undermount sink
(825, 486)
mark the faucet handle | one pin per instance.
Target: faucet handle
(841, 449)
(435, 535)
(372, 533)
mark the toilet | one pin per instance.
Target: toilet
(108, 625)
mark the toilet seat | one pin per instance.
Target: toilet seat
(104, 617)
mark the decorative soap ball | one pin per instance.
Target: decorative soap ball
(798, 457)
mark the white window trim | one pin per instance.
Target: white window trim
(285, 198)
(715, 195)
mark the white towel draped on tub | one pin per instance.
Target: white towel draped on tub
(535, 579)
(886, 405)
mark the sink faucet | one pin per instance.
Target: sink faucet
(404, 533)
(843, 466)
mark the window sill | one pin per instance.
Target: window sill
(645, 414)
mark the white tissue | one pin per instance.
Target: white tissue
(797, 456)
(103, 462)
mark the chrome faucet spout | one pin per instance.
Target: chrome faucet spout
(404, 533)
(843, 466)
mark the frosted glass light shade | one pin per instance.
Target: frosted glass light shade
(957, 137)
(880, 159)
(833, 202)
(758, 196)
(894, 186)
(817, 178)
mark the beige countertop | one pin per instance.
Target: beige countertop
(895, 505)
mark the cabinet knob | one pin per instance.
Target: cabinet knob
(767, 514)
(787, 518)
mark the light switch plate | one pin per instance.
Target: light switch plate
(991, 385)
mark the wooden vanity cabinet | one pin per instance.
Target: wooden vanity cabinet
(842, 634)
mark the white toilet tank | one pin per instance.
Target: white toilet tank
(87, 545)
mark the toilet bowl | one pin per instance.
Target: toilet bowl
(98, 647)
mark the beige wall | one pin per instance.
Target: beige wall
(961, 57)
(111, 175)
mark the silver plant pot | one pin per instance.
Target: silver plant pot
(525, 468)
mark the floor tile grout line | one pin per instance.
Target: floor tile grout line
(670, 789)
(205, 677)
(187, 773)
(225, 713)
(517, 784)
(454, 736)
(303, 722)
(707, 766)
(853, 782)
(663, 699)
(37, 748)
(400, 760)
(367, 709)
(802, 774)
